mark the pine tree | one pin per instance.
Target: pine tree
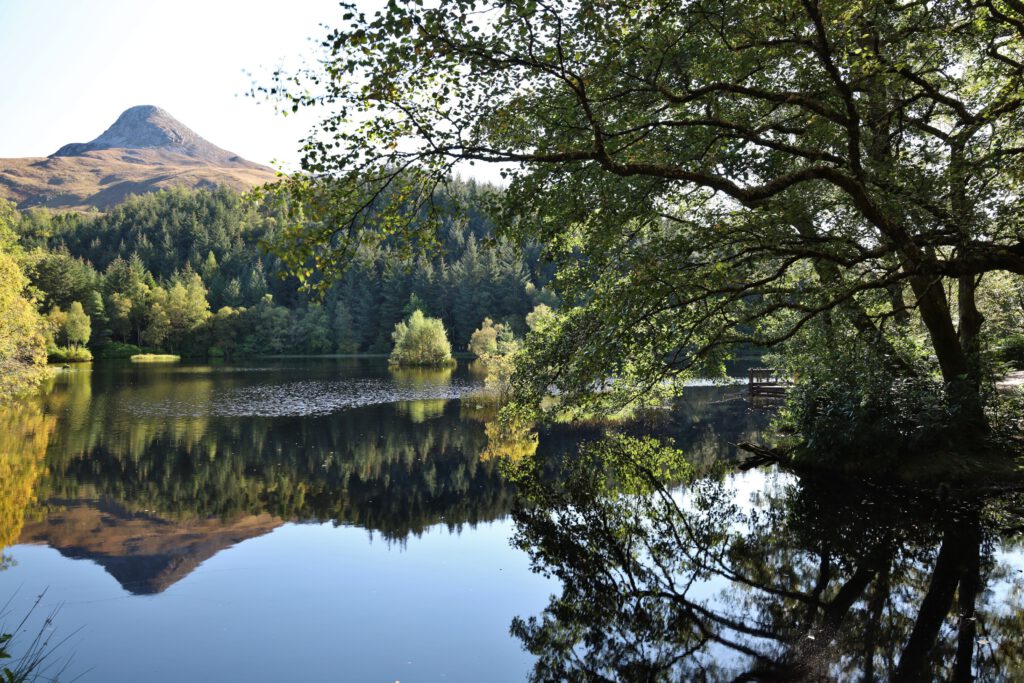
(233, 292)
(344, 334)
(256, 288)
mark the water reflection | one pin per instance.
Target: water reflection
(766, 577)
(137, 469)
(144, 476)
(666, 574)
(24, 435)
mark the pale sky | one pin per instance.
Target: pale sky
(68, 68)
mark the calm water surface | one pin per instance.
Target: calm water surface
(329, 520)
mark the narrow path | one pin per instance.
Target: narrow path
(1014, 380)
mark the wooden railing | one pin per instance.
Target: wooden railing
(767, 382)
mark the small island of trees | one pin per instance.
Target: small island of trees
(420, 342)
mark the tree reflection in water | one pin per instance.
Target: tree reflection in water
(670, 576)
(667, 575)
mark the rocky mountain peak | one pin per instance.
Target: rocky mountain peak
(146, 127)
(145, 150)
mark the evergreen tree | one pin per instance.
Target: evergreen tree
(62, 278)
(344, 335)
(315, 334)
(233, 292)
(256, 286)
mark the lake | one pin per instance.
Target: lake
(331, 519)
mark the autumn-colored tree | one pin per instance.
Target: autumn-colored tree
(22, 340)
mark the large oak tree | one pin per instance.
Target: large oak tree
(701, 167)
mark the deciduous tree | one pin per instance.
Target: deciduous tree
(697, 168)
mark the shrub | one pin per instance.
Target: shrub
(117, 350)
(852, 402)
(420, 341)
(68, 354)
(484, 340)
(879, 417)
(1013, 350)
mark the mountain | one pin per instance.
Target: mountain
(145, 150)
(145, 554)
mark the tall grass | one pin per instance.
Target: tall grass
(39, 660)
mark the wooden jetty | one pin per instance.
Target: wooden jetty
(767, 383)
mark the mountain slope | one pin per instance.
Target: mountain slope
(145, 150)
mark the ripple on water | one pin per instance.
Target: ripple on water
(300, 399)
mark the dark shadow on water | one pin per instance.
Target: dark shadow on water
(768, 577)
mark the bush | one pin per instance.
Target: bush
(420, 341)
(66, 354)
(484, 340)
(1013, 351)
(854, 403)
(117, 350)
(877, 417)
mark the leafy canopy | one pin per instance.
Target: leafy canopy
(706, 174)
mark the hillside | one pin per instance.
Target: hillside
(145, 150)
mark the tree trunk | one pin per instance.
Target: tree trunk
(914, 664)
(960, 373)
(970, 586)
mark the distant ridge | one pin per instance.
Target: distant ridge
(145, 150)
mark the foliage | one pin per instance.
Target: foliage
(77, 327)
(693, 169)
(1006, 414)
(420, 341)
(34, 664)
(155, 358)
(68, 354)
(540, 316)
(143, 270)
(118, 350)
(496, 347)
(22, 341)
(484, 339)
(1013, 350)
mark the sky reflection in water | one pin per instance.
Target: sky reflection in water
(332, 520)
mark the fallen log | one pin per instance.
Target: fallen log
(760, 455)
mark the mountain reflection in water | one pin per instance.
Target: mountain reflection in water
(706, 575)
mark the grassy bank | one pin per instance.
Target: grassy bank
(155, 358)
